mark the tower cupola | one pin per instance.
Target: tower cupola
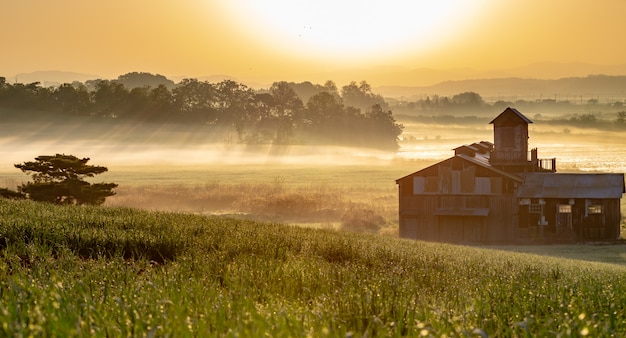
(510, 145)
(510, 137)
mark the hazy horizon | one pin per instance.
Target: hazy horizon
(378, 77)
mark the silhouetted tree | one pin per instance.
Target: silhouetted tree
(109, 98)
(138, 104)
(26, 96)
(305, 90)
(287, 112)
(233, 103)
(383, 127)
(361, 96)
(468, 100)
(161, 102)
(196, 100)
(321, 109)
(71, 99)
(140, 79)
(331, 88)
(288, 103)
(60, 179)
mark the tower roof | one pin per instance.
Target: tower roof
(511, 114)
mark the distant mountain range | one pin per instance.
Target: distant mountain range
(545, 81)
(601, 87)
(51, 77)
(396, 76)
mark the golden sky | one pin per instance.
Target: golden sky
(263, 41)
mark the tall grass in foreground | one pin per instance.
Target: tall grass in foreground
(93, 271)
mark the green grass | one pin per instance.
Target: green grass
(604, 253)
(287, 194)
(109, 271)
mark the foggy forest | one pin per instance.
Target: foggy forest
(292, 113)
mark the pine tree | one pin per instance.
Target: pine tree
(60, 179)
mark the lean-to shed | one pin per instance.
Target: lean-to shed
(584, 207)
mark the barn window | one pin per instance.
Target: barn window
(418, 185)
(482, 185)
(431, 184)
(594, 209)
(535, 208)
(565, 209)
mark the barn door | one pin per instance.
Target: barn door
(473, 229)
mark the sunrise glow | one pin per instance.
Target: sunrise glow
(355, 31)
(265, 41)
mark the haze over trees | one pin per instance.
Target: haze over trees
(468, 107)
(352, 115)
(287, 113)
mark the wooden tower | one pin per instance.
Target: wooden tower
(510, 136)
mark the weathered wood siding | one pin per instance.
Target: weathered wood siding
(502, 221)
(432, 205)
(576, 224)
(511, 144)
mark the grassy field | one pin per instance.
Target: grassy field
(307, 195)
(311, 195)
(315, 196)
(111, 271)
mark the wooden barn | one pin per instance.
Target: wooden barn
(503, 193)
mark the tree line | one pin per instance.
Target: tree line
(286, 113)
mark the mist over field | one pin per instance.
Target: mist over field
(300, 153)
(595, 145)
(167, 146)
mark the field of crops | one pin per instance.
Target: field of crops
(111, 271)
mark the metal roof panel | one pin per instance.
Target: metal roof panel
(551, 185)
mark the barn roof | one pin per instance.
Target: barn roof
(483, 161)
(509, 113)
(479, 159)
(550, 185)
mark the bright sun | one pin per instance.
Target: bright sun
(355, 29)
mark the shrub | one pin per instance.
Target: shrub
(10, 194)
(361, 219)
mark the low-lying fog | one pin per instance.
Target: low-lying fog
(575, 149)
(187, 169)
